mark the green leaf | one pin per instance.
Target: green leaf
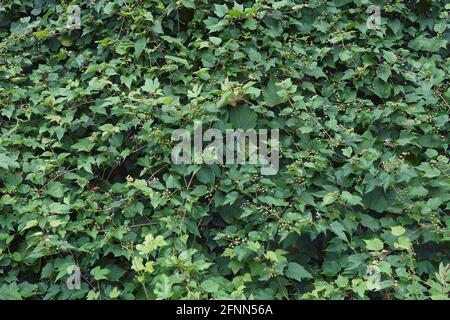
(151, 85)
(110, 8)
(384, 73)
(397, 230)
(403, 243)
(381, 89)
(338, 229)
(55, 189)
(370, 222)
(99, 273)
(83, 145)
(395, 25)
(163, 287)
(220, 10)
(206, 175)
(329, 198)
(351, 199)
(114, 293)
(342, 281)
(389, 56)
(270, 94)
(150, 244)
(254, 55)
(139, 46)
(375, 200)
(242, 117)
(209, 286)
(30, 224)
(374, 244)
(297, 272)
(177, 60)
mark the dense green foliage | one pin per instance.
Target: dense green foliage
(85, 172)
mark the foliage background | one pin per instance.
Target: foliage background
(85, 171)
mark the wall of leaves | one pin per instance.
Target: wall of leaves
(358, 210)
